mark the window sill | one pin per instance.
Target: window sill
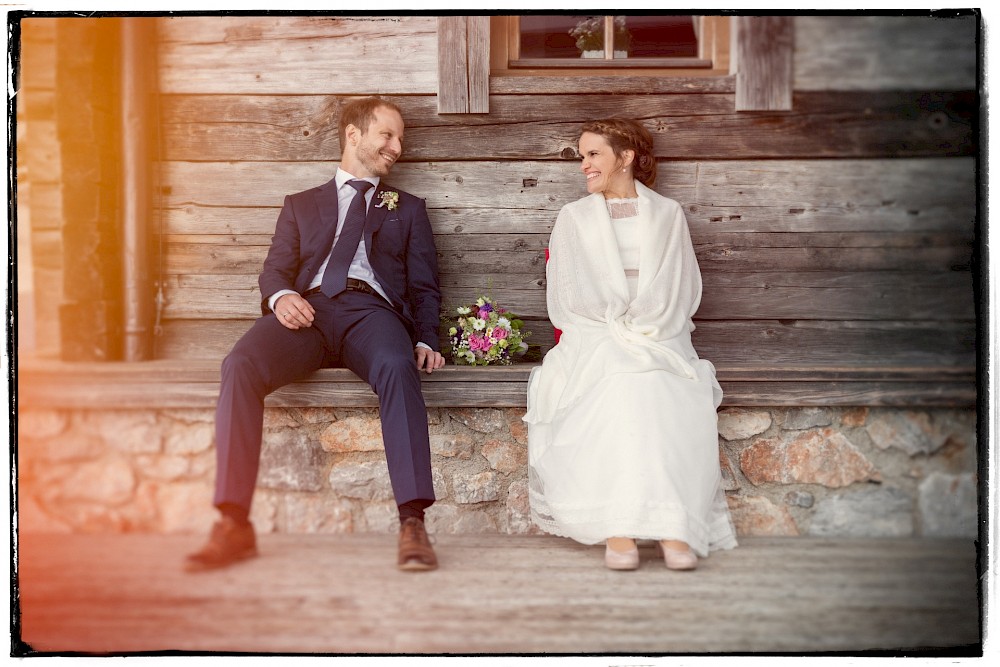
(537, 81)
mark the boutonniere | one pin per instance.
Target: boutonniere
(389, 199)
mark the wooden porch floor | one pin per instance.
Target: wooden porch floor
(494, 594)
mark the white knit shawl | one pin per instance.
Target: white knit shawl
(588, 299)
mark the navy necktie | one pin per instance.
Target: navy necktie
(335, 276)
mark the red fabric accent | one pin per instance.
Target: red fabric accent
(557, 331)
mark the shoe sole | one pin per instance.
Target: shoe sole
(416, 566)
(197, 566)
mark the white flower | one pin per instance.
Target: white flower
(463, 310)
(503, 322)
(389, 199)
(478, 323)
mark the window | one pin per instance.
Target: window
(577, 43)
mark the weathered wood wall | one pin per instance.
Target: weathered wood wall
(838, 233)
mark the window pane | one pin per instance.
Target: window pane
(655, 37)
(549, 36)
(575, 36)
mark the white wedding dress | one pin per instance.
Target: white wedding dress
(622, 426)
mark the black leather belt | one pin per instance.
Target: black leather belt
(352, 284)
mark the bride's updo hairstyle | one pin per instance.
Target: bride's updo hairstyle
(624, 134)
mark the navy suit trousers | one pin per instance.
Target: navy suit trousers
(355, 330)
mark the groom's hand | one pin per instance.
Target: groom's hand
(294, 312)
(428, 359)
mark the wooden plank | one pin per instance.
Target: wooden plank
(192, 339)
(768, 195)
(811, 295)
(184, 258)
(532, 127)
(169, 384)
(355, 55)
(846, 53)
(126, 593)
(453, 65)
(205, 370)
(479, 63)
(763, 60)
(463, 64)
(774, 343)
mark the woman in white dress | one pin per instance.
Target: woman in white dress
(622, 427)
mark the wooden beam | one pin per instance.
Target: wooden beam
(162, 384)
(463, 64)
(764, 46)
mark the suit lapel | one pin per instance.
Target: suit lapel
(376, 215)
(328, 205)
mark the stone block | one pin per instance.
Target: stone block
(193, 415)
(163, 467)
(312, 415)
(382, 517)
(133, 431)
(800, 499)
(519, 510)
(317, 514)
(518, 429)
(948, 505)
(758, 516)
(290, 461)
(189, 438)
(440, 485)
(871, 512)
(505, 457)
(800, 419)
(280, 418)
(911, 432)
(264, 511)
(854, 417)
(481, 420)
(108, 481)
(478, 488)
(452, 520)
(822, 456)
(434, 417)
(40, 424)
(735, 424)
(31, 518)
(452, 445)
(70, 446)
(367, 480)
(186, 507)
(353, 434)
(729, 481)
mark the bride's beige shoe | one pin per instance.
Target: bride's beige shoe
(621, 560)
(676, 559)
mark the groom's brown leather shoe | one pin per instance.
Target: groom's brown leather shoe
(415, 550)
(228, 543)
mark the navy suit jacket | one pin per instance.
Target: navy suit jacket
(400, 247)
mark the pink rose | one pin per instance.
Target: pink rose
(499, 333)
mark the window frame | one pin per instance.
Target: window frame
(713, 55)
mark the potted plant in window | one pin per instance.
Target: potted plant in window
(589, 35)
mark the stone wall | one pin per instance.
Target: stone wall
(788, 471)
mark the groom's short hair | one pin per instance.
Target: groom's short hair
(361, 114)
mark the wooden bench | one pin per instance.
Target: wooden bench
(194, 384)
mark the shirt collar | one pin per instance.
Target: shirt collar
(342, 177)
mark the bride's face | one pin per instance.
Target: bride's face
(601, 167)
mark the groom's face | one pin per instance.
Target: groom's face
(378, 147)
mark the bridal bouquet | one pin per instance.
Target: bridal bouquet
(486, 334)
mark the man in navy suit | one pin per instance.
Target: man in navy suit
(350, 280)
